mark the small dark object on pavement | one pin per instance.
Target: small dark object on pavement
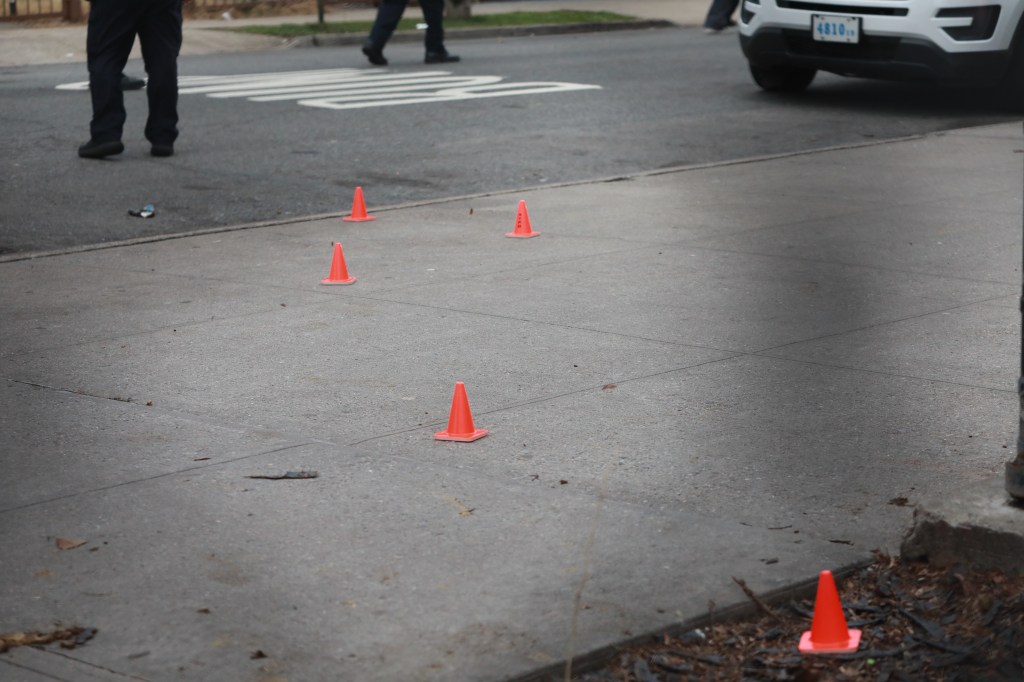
(146, 211)
(289, 475)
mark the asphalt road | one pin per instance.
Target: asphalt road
(665, 98)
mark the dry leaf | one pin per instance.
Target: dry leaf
(69, 543)
(608, 387)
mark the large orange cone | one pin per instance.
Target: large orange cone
(339, 273)
(522, 229)
(460, 420)
(828, 633)
(358, 209)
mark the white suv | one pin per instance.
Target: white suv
(954, 42)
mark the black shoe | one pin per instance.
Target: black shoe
(162, 150)
(374, 54)
(97, 150)
(129, 83)
(440, 58)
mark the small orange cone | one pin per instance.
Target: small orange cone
(828, 633)
(522, 229)
(460, 420)
(358, 209)
(339, 273)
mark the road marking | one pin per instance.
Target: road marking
(358, 88)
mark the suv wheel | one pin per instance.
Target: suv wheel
(1012, 87)
(782, 78)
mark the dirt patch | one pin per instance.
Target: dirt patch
(918, 623)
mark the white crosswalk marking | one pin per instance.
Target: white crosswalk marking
(358, 88)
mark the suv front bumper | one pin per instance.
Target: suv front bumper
(881, 57)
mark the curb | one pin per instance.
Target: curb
(598, 659)
(349, 39)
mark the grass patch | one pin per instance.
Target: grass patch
(504, 19)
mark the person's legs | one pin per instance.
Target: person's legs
(160, 38)
(433, 15)
(388, 15)
(111, 32)
(720, 14)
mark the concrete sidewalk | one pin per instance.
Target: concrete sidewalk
(735, 370)
(20, 46)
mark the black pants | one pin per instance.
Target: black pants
(720, 13)
(389, 13)
(113, 25)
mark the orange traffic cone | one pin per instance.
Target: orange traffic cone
(522, 229)
(460, 420)
(828, 633)
(358, 209)
(339, 273)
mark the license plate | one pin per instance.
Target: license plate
(831, 28)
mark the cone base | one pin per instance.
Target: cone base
(461, 438)
(522, 236)
(328, 281)
(849, 646)
(353, 219)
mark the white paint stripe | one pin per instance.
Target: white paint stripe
(358, 88)
(450, 95)
(362, 90)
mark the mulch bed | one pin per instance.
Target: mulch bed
(918, 623)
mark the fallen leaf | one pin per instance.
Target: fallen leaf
(464, 510)
(200, 459)
(149, 403)
(563, 482)
(257, 654)
(899, 501)
(203, 610)
(69, 638)
(69, 543)
(608, 387)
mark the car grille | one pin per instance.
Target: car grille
(844, 9)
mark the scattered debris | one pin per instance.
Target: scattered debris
(919, 623)
(289, 475)
(899, 501)
(146, 211)
(69, 638)
(203, 610)
(69, 543)
(764, 608)
(257, 654)
(149, 403)
(563, 482)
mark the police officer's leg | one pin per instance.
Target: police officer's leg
(433, 15)
(388, 15)
(108, 43)
(160, 37)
